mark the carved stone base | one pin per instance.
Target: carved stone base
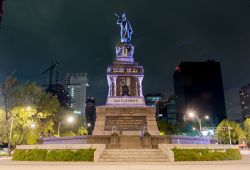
(126, 120)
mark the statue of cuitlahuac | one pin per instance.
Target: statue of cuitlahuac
(126, 29)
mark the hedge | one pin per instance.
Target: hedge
(54, 155)
(205, 154)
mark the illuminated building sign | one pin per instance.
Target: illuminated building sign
(124, 70)
(125, 100)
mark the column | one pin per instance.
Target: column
(110, 85)
(136, 86)
(114, 82)
(140, 85)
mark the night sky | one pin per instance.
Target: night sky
(82, 34)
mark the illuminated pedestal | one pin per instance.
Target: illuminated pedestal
(129, 120)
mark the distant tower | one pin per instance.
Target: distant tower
(198, 87)
(245, 101)
(76, 84)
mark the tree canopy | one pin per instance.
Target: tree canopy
(247, 129)
(30, 104)
(222, 132)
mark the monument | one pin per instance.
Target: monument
(125, 112)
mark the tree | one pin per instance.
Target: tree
(167, 128)
(82, 131)
(7, 92)
(222, 132)
(32, 105)
(247, 129)
(37, 107)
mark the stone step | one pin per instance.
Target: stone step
(127, 156)
(131, 150)
(132, 155)
(132, 160)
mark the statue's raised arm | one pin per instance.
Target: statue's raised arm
(126, 29)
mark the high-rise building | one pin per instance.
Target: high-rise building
(152, 98)
(171, 111)
(165, 106)
(75, 84)
(245, 101)
(199, 88)
(233, 106)
(90, 114)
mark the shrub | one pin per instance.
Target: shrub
(54, 155)
(205, 154)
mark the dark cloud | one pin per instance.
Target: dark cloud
(82, 35)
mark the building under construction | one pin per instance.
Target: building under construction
(75, 85)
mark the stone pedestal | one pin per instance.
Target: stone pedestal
(127, 120)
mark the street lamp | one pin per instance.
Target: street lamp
(89, 124)
(193, 115)
(70, 119)
(32, 125)
(28, 108)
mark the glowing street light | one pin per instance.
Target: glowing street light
(193, 115)
(70, 119)
(194, 128)
(28, 108)
(89, 124)
(32, 125)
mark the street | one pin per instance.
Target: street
(244, 164)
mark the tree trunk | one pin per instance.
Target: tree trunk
(4, 131)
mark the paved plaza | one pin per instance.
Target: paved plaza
(244, 164)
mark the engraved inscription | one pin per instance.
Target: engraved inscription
(125, 123)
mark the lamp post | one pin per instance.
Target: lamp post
(70, 120)
(193, 115)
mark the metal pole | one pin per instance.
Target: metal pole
(58, 129)
(229, 134)
(199, 120)
(9, 141)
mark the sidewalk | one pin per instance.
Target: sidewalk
(8, 161)
(244, 164)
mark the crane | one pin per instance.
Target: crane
(51, 72)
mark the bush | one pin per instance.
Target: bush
(54, 155)
(205, 154)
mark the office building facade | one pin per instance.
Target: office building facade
(245, 101)
(199, 88)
